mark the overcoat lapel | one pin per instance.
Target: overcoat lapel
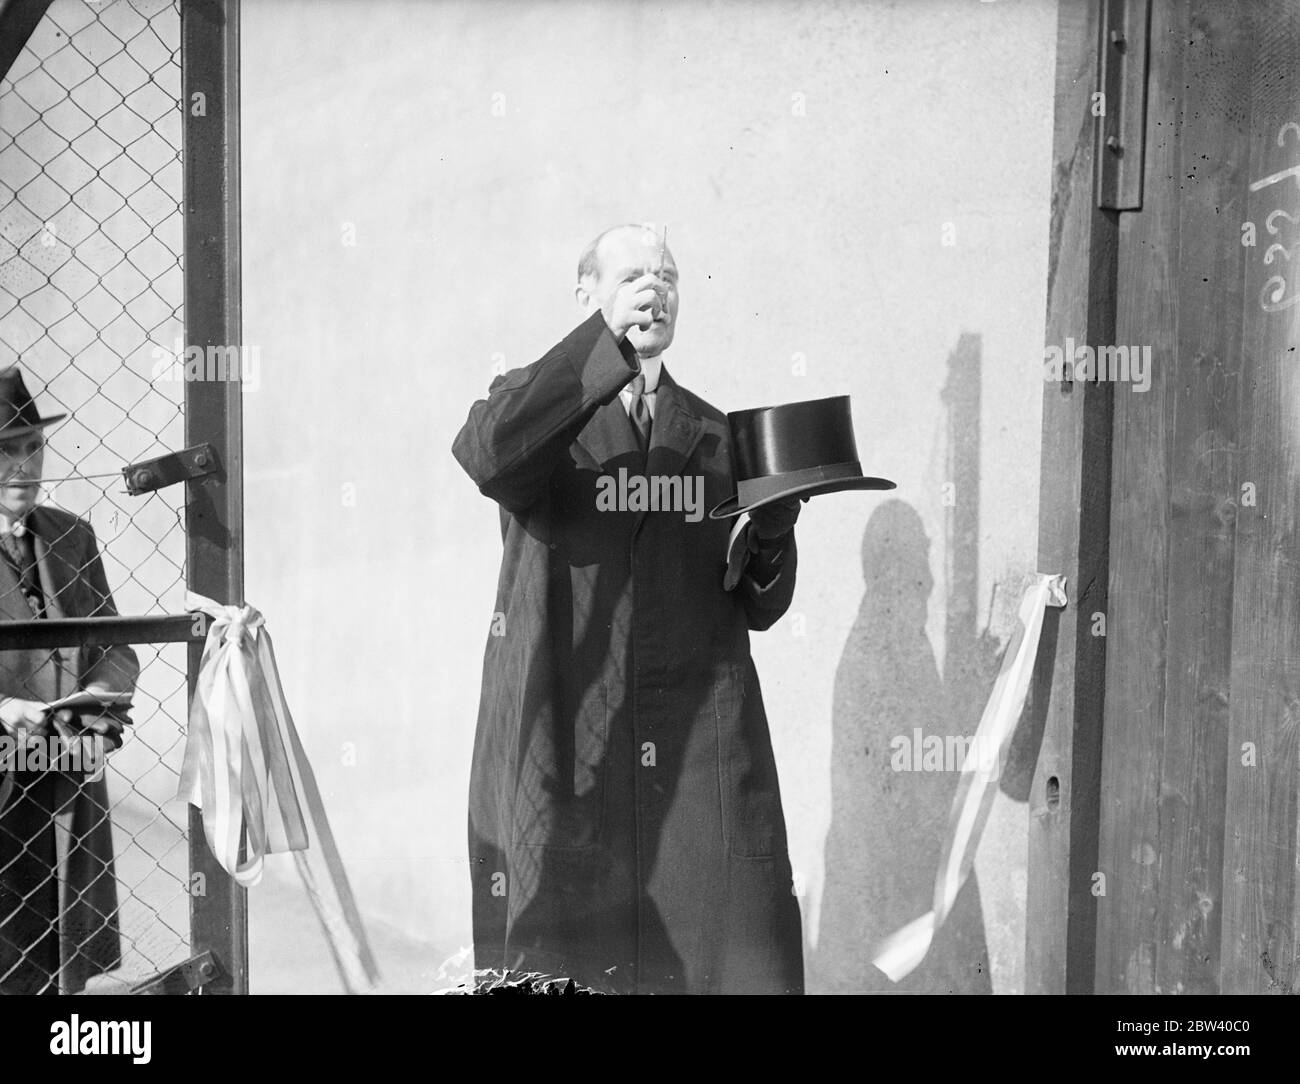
(608, 437)
(37, 672)
(674, 433)
(55, 568)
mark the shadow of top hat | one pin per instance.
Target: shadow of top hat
(794, 450)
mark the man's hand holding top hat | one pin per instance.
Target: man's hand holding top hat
(759, 547)
(775, 520)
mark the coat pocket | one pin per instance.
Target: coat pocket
(751, 801)
(560, 794)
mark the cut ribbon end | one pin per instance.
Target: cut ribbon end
(899, 954)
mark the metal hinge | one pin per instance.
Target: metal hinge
(185, 978)
(1122, 82)
(166, 470)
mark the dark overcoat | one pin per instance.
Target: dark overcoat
(58, 892)
(625, 821)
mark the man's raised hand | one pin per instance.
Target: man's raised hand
(633, 304)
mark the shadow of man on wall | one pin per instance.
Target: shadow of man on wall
(888, 820)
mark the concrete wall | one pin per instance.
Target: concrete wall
(857, 196)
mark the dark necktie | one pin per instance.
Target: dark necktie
(640, 412)
(21, 555)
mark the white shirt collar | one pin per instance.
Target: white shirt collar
(652, 367)
(15, 527)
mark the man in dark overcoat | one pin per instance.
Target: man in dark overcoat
(58, 893)
(625, 820)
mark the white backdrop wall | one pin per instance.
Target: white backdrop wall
(849, 188)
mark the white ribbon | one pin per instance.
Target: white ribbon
(246, 769)
(902, 951)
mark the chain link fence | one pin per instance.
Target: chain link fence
(91, 295)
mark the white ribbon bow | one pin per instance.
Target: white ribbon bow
(246, 769)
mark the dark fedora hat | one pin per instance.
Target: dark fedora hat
(18, 413)
(795, 450)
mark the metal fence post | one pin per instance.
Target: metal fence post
(213, 407)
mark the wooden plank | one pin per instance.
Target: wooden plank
(1206, 102)
(1260, 897)
(1135, 627)
(1168, 668)
(1073, 538)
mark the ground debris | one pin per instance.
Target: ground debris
(496, 982)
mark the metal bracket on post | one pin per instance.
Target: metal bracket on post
(1122, 80)
(166, 470)
(188, 977)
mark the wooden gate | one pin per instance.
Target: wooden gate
(1164, 817)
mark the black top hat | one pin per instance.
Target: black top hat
(795, 450)
(18, 413)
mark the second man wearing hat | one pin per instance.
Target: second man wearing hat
(58, 893)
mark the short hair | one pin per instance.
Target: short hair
(589, 261)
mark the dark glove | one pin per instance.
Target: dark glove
(780, 517)
(85, 726)
(109, 725)
(775, 519)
